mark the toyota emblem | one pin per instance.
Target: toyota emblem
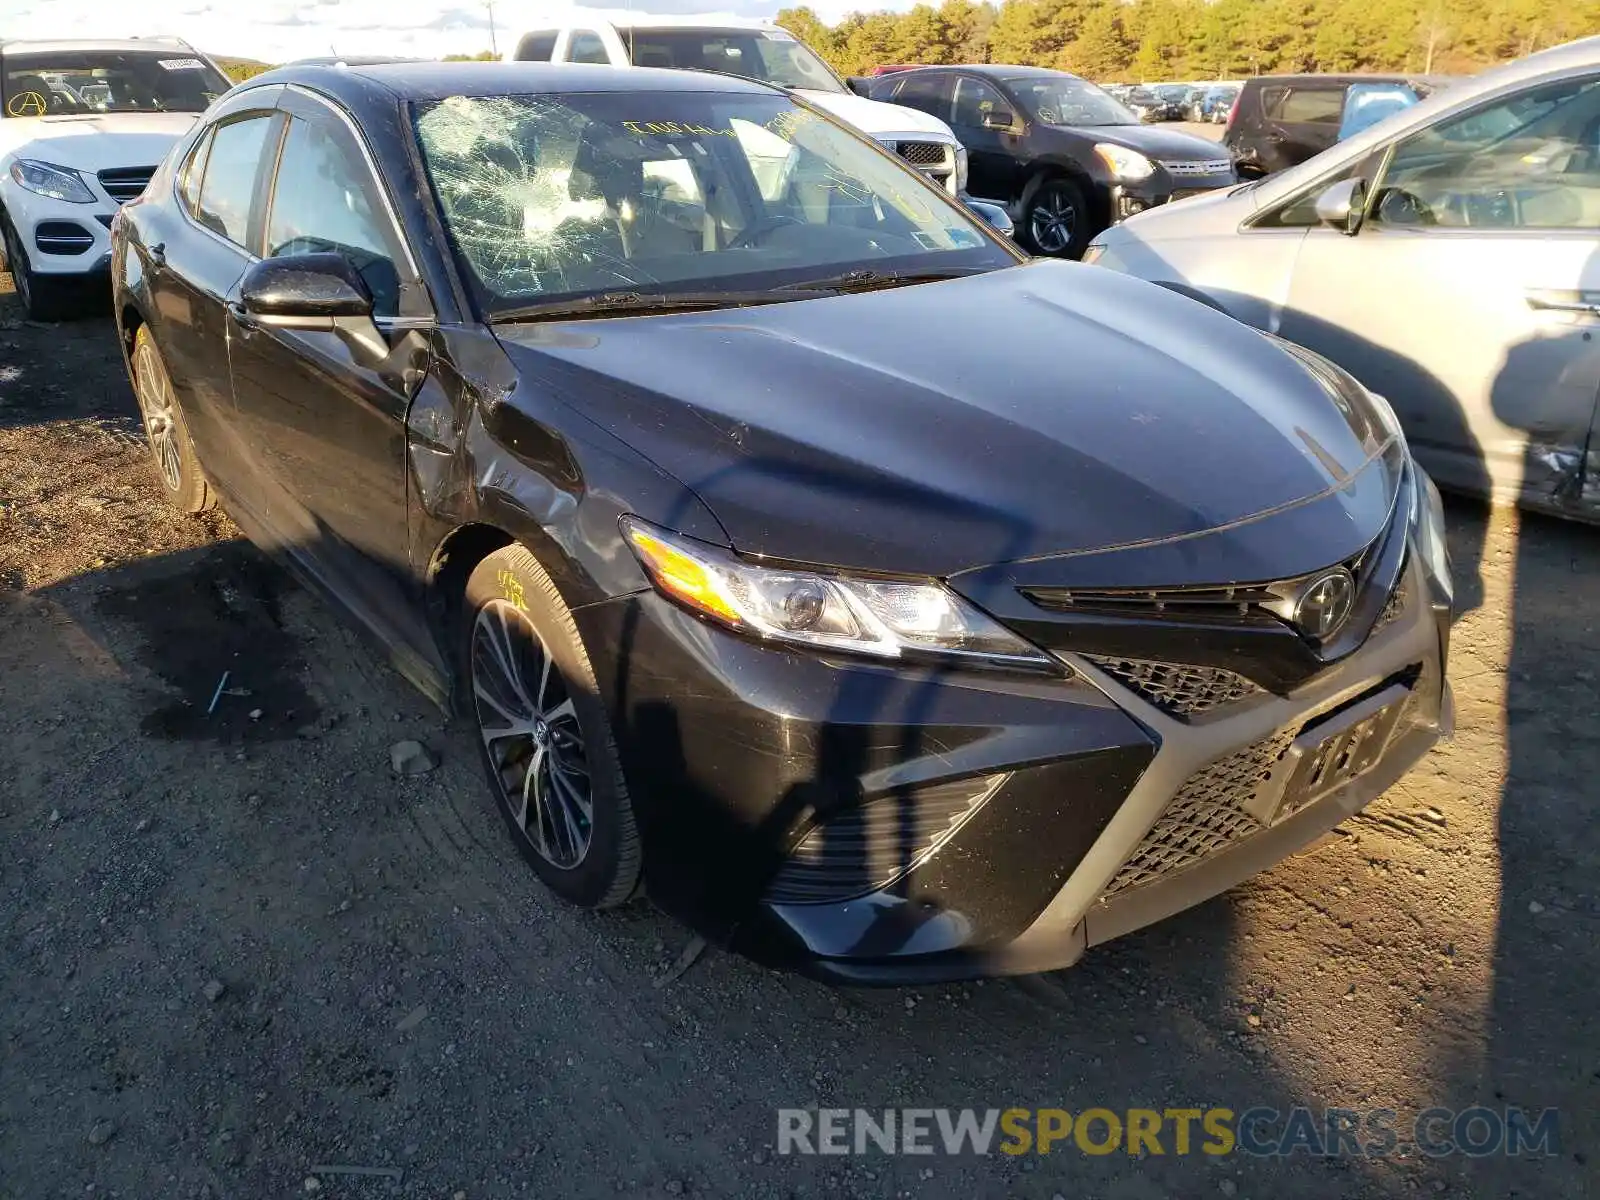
(1324, 605)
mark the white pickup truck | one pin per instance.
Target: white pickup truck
(756, 50)
(83, 126)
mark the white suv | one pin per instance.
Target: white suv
(83, 125)
(756, 50)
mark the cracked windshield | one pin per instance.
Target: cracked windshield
(552, 198)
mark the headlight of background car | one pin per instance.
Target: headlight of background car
(883, 618)
(59, 183)
(961, 169)
(1124, 163)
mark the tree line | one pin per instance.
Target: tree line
(1152, 40)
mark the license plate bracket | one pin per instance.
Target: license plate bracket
(1328, 754)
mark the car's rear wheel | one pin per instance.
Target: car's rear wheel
(176, 464)
(43, 297)
(1056, 221)
(543, 733)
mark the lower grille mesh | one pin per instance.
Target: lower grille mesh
(1178, 688)
(1206, 814)
(864, 849)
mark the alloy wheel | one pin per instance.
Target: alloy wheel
(1053, 220)
(160, 417)
(531, 733)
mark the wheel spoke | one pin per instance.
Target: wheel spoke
(534, 744)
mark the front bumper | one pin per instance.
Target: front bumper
(61, 238)
(1128, 199)
(877, 825)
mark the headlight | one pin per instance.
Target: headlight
(1124, 163)
(884, 618)
(59, 183)
(961, 169)
(1427, 527)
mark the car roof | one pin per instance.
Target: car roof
(578, 18)
(90, 45)
(437, 80)
(1344, 77)
(1001, 71)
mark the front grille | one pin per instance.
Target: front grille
(62, 237)
(1207, 814)
(1181, 689)
(1242, 603)
(923, 154)
(1396, 606)
(125, 183)
(869, 847)
(1209, 166)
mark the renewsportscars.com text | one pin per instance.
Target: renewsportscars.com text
(1262, 1132)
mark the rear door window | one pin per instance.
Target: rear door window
(587, 47)
(231, 170)
(928, 93)
(1303, 105)
(537, 47)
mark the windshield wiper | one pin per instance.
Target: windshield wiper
(864, 279)
(617, 303)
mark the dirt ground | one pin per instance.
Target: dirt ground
(236, 949)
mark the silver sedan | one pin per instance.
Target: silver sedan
(1448, 256)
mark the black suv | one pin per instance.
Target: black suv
(1282, 120)
(1064, 158)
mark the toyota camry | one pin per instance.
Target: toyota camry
(887, 605)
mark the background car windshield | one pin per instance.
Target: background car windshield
(68, 84)
(1070, 102)
(752, 55)
(552, 197)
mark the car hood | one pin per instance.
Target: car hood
(1157, 143)
(1044, 409)
(874, 116)
(98, 142)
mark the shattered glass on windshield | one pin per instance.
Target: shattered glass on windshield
(582, 194)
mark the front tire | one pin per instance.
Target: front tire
(1056, 219)
(177, 466)
(543, 735)
(43, 297)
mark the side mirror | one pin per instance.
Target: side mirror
(860, 85)
(991, 215)
(1343, 205)
(311, 292)
(999, 118)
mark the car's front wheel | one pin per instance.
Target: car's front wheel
(1056, 220)
(543, 733)
(176, 464)
(43, 297)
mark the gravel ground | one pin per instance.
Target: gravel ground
(236, 949)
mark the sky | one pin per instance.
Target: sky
(277, 30)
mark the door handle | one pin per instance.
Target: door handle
(1585, 303)
(242, 317)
